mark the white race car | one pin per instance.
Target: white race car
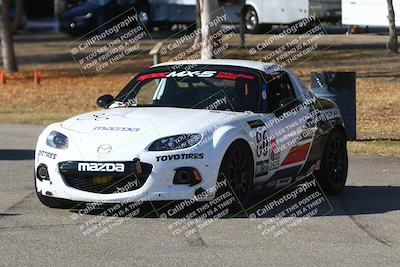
(177, 130)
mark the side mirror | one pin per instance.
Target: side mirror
(104, 101)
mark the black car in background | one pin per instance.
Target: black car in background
(92, 14)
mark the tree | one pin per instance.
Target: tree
(19, 14)
(198, 24)
(392, 44)
(208, 14)
(7, 44)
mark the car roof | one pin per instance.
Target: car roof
(252, 64)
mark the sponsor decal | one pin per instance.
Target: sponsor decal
(264, 102)
(104, 149)
(100, 167)
(96, 117)
(174, 74)
(274, 165)
(46, 154)
(180, 157)
(233, 76)
(275, 153)
(200, 74)
(152, 76)
(120, 129)
(262, 143)
(262, 168)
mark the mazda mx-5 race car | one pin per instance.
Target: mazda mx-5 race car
(178, 130)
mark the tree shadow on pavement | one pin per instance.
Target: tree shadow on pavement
(17, 154)
(366, 200)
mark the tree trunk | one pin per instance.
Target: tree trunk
(59, 7)
(208, 13)
(198, 24)
(19, 14)
(392, 44)
(7, 45)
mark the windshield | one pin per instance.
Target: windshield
(211, 87)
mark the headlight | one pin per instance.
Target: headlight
(175, 142)
(57, 140)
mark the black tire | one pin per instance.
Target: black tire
(252, 22)
(332, 174)
(237, 168)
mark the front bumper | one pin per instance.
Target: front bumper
(154, 183)
(158, 169)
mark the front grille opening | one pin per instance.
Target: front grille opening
(104, 182)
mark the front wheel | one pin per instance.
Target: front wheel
(332, 174)
(237, 169)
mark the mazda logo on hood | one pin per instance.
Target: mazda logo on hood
(104, 149)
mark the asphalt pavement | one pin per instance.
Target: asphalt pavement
(362, 228)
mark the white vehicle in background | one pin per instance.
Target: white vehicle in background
(259, 15)
(367, 13)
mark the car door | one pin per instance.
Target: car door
(285, 117)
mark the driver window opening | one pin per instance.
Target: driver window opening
(280, 90)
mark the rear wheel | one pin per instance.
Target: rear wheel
(238, 169)
(332, 175)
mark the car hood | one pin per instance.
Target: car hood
(130, 130)
(158, 121)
